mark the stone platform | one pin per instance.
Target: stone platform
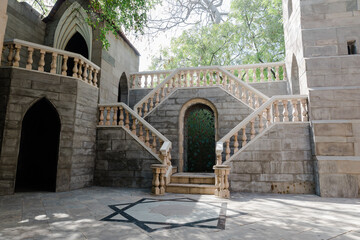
(119, 213)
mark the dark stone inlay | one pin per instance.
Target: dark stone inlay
(119, 209)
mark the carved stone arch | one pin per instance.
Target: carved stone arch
(183, 110)
(73, 20)
(123, 90)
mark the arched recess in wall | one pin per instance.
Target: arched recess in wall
(123, 91)
(71, 22)
(39, 148)
(182, 118)
(295, 77)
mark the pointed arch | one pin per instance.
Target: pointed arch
(73, 20)
(39, 148)
(123, 90)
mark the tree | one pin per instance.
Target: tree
(253, 33)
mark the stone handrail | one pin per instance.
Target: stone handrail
(200, 77)
(293, 109)
(249, 73)
(83, 69)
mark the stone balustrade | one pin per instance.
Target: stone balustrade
(158, 183)
(222, 181)
(200, 77)
(285, 109)
(119, 114)
(264, 72)
(50, 60)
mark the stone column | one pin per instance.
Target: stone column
(3, 21)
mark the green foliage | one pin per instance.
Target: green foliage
(115, 15)
(200, 127)
(253, 33)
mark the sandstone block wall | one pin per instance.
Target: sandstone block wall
(121, 161)
(280, 161)
(73, 100)
(165, 118)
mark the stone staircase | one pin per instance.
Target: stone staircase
(192, 183)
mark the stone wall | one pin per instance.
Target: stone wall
(135, 95)
(72, 99)
(24, 23)
(165, 118)
(121, 160)
(3, 20)
(279, 161)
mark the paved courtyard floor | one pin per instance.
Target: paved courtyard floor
(118, 213)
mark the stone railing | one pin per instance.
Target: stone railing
(119, 114)
(264, 72)
(222, 181)
(56, 63)
(200, 77)
(276, 109)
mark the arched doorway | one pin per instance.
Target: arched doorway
(295, 78)
(76, 44)
(39, 147)
(123, 91)
(199, 140)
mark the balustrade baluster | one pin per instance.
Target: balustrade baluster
(146, 107)
(101, 122)
(146, 81)
(75, 68)
(256, 103)
(41, 61)
(295, 112)
(64, 67)
(141, 132)
(262, 74)
(250, 99)
(237, 90)
(230, 85)
(133, 81)
(133, 127)
(151, 104)
(269, 75)
(127, 120)
(95, 80)
(227, 150)
(277, 76)
(11, 55)
(81, 62)
(284, 74)
(247, 77)
(114, 123)
(224, 80)
(243, 94)
(157, 98)
(254, 75)
(201, 76)
(154, 143)
(261, 124)
(147, 137)
(236, 143)
(252, 131)
(191, 78)
(169, 85)
(244, 138)
(211, 78)
(218, 82)
(53, 63)
(285, 111)
(277, 114)
(140, 111)
(17, 55)
(30, 58)
(268, 117)
(304, 110)
(108, 115)
(152, 80)
(162, 93)
(90, 75)
(121, 122)
(85, 74)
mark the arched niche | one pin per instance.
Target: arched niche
(193, 103)
(295, 77)
(39, 148)
(123, 90)
(71, 22)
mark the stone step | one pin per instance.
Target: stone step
(190, 188)
(193, 178)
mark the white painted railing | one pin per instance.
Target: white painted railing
(263, 72)
(276, 109)
(200, 77)
(83, 69)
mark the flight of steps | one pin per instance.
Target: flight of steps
(192, 183)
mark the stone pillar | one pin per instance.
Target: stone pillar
(3, 21)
